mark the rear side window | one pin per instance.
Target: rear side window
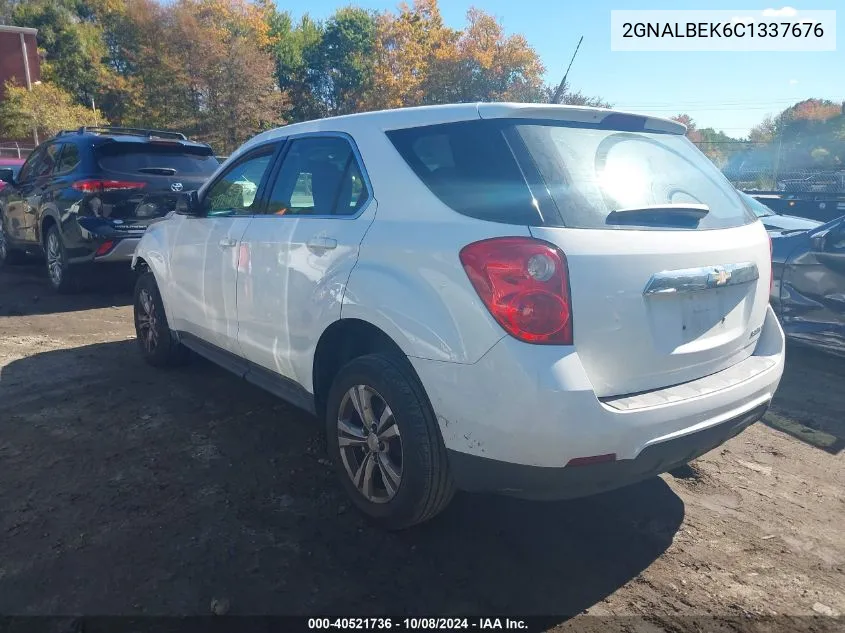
(156, 160)
(471, 168)
(69, 159)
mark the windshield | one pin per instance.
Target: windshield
(592, 173)
(759, 209)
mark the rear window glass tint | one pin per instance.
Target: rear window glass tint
(155, 161)
(470, 168)
(591, 173)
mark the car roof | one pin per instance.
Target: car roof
(418, 116)
(136, 136)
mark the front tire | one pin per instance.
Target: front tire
(156, 341)
(385, 443)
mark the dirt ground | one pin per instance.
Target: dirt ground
(126, 490)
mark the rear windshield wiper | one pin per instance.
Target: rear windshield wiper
(161, 171)
(676, 215)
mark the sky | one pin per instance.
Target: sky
(729, 91)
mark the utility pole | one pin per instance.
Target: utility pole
(775, 172)
(28, 80)
(558, 95)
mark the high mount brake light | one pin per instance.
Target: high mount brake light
(524, 283)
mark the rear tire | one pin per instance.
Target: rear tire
(61, 274)
(398, 474)
(157, 343)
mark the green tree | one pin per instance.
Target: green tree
(484, 64)
(294, 48)
(343, 61)
(46, 108)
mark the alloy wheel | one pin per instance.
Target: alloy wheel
(147, 319)
(370, 443)
(54, 259)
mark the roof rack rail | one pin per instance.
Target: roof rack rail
(133, 131)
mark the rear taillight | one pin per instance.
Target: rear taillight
(104, 248)
(524, 283)
(100, 186)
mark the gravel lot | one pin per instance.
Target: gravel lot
(126, 490)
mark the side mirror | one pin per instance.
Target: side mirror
(7, 175)
(188, 204)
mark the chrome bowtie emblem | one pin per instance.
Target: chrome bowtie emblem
(718, 277)
(176, 186)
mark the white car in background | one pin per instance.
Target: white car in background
(540, 301)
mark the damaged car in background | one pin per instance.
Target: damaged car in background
(808, 290)
(84, 198)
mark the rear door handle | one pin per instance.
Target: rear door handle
(227, 242)
(321, 244)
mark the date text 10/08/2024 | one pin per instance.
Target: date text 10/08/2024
(418, 624)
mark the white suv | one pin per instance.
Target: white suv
(540, 301)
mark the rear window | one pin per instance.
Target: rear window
(589, 177)
(156, 160)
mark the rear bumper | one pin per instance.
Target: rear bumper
(478, 474)
(534, 406)
(122, 251)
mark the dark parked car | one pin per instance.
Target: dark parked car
(775, 221)
(86, 196)
(808, 293)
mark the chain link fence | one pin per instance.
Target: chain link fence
(15, 150)
(798, 181)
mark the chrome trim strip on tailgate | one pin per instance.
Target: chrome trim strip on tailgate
(702, 278)
(729, 377)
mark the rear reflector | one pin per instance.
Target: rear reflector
(594, 459)
(100, 186)
(524, 283)
(104, 248)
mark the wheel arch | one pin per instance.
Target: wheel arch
(48, 219)
(343, 341)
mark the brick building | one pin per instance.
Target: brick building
(18, 61)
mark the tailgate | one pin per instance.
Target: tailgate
(657, 308)
(156, 172)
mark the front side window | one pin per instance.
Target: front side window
(31, 165)
(319, 176)
(235, 191)
(48, 161)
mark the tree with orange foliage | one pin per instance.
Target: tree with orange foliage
(407, 46)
